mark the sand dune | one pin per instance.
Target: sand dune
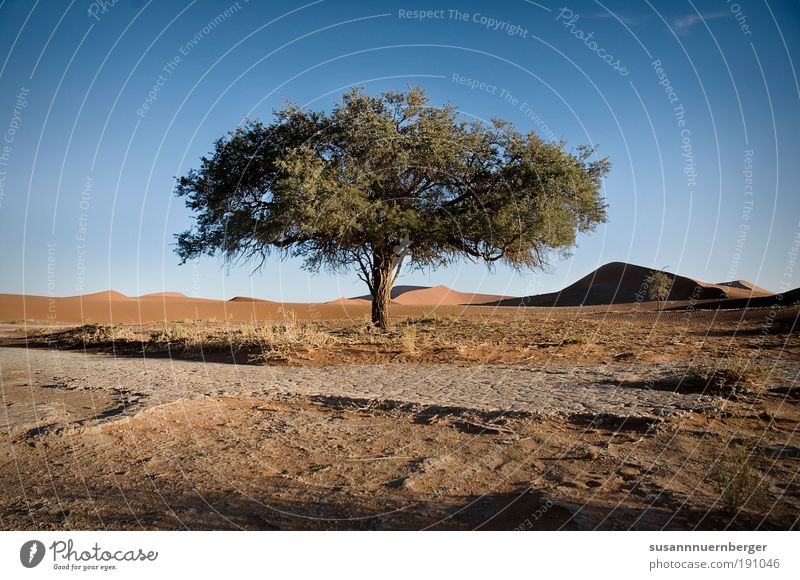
(445, 296)
(162, 295)
(356, 301)
(736, 287)
(247, 299)
(621, 283)
(102, 309)
(397, 291)
(431, 296)
(614, 283)
(755, 301)
(103, 295)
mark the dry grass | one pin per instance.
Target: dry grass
(478, 335)
(430, 320)
(282, 336)
(728, 375)
(578, 337)
(408, 340)
(91, 334)
(737, 478)
(194, 336)
(267, 336)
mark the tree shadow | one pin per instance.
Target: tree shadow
(135, 349)
(117, 508)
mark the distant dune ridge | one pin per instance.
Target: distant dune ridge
(248, 299)
(622, 283)
(114, 295)
(103, 295)
(745, 285)
(613, 283)
(435, 296)
(163, 295)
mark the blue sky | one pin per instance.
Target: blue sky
(696, 104)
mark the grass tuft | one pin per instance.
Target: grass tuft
(429, 320)
(102, 334)
(195, 336)
(737, 478)
(727, 375)
(578, 337)
(408, 339)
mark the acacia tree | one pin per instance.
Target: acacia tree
(386, 180)
(659, 286)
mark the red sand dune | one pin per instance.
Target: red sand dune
(770, 301)
(247, 299)
(162, 295)
(350, 301)
(442, 295)
(621, 283)
(103, 310)
(743, 287)
(396, 292)
(614, 283)
(104, 295)
(429, 296)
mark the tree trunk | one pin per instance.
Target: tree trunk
(381, 292)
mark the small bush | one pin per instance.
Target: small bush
(201, 335)
(727, 375)
(408, 339)
(578, 337)
(430, 319)
(737, 478)
(100, 334)
(184, 334)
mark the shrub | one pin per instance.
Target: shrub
(578, 337)
(727, 375)
(269, 336)
(737, 478)
(408, 339)
(100, 334)
(430, 319)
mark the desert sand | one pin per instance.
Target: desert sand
(617, 285)
(493, 418)
(97, 442)
(169, 412)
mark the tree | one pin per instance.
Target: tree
(386, 180)
(659, 286)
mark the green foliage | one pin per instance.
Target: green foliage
(659, 286)
(387, 179)
(737, 478)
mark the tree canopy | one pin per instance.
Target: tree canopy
(659, 286)
(387, 180)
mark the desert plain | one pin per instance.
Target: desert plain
(595, 411)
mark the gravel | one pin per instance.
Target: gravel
(579, 389)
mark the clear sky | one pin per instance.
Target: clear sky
(696, 103)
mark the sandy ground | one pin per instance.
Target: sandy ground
(93, 440)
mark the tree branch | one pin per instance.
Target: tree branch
(365, 268)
